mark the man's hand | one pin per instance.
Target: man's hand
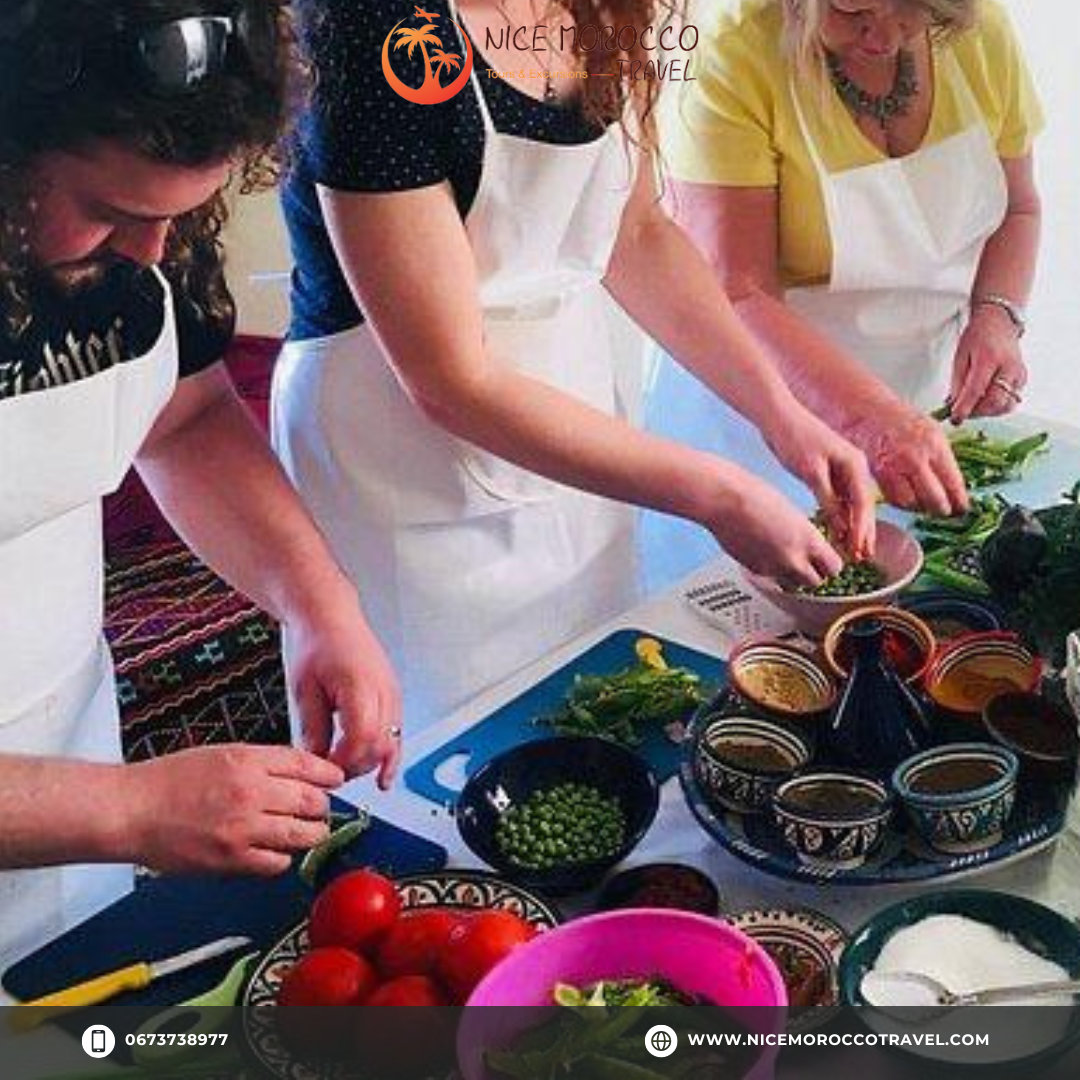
(226, 809)
(345, 689)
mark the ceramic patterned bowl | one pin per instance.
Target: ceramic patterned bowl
(899, 556)
(806, 946)
(782, 680)
(740, 761)
(909, 642)
(959, 797)
(833, 817)
(969, 673)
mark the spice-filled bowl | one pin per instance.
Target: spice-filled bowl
(898, 560)
(1043, 736)
(834, 818)
(661, 885)
(969, 673)
(967, 939)
(702, 958)
(557, 814)
(909, 643)
(781, 680)
(740, 761)
(959, 797)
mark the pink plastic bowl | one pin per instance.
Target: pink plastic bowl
(697, 954)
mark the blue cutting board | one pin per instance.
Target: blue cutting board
(515, 723)
(168, 915)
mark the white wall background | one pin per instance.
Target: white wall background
(1050, 30)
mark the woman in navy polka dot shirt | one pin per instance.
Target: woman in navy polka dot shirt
(458, 397)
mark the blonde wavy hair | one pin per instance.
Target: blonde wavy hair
(803, 20)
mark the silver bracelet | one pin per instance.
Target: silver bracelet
(1013, 310)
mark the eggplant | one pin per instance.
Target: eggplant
(1013, 554)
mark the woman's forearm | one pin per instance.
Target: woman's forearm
(1007, 267)
(830, 383)
(543, 430)
(661, 280)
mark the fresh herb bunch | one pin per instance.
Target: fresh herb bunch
(1033, 565)
(987, 462)
(617, 706)
(620, 992)
(603, 1041)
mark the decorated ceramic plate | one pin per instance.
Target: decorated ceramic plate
(806, 946)
(904, 857)
(449, 889)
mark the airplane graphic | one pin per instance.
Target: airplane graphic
(431, 16)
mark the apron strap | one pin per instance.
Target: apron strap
(481, 100)
(970, 109)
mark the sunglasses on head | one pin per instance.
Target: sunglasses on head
(170, 58)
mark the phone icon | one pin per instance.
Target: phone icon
(97, 1040)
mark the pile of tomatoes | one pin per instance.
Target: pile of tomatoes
(365, 950)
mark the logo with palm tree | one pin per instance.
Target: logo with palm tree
(437, 61)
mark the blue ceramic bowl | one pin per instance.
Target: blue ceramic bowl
(1036, 927)
(740, 761)
(512, 777)
(833, 817)
(950, 615)
(959, 797)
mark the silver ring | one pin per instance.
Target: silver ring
(1007, 388)
(393, 732)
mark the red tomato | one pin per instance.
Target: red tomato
(330, 976)
(408, 990)
(414, 943)
(354, 911)
(477, 945)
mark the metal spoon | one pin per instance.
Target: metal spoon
(875, 991)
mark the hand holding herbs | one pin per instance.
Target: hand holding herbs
(618, 706)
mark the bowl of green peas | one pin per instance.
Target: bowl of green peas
(557, 814)
(896, 562)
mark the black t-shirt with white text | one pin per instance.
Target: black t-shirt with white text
(118, 319)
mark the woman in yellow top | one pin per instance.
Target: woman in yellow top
(859, 173)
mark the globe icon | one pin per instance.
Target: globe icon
(661, 1041)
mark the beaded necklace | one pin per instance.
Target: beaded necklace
(881, 107)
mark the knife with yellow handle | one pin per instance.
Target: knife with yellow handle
(103, 987)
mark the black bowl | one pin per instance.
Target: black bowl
(512, 777)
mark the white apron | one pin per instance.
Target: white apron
(62, 450)
(469, 567)
(907, 236)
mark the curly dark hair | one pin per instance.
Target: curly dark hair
(238, 115)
